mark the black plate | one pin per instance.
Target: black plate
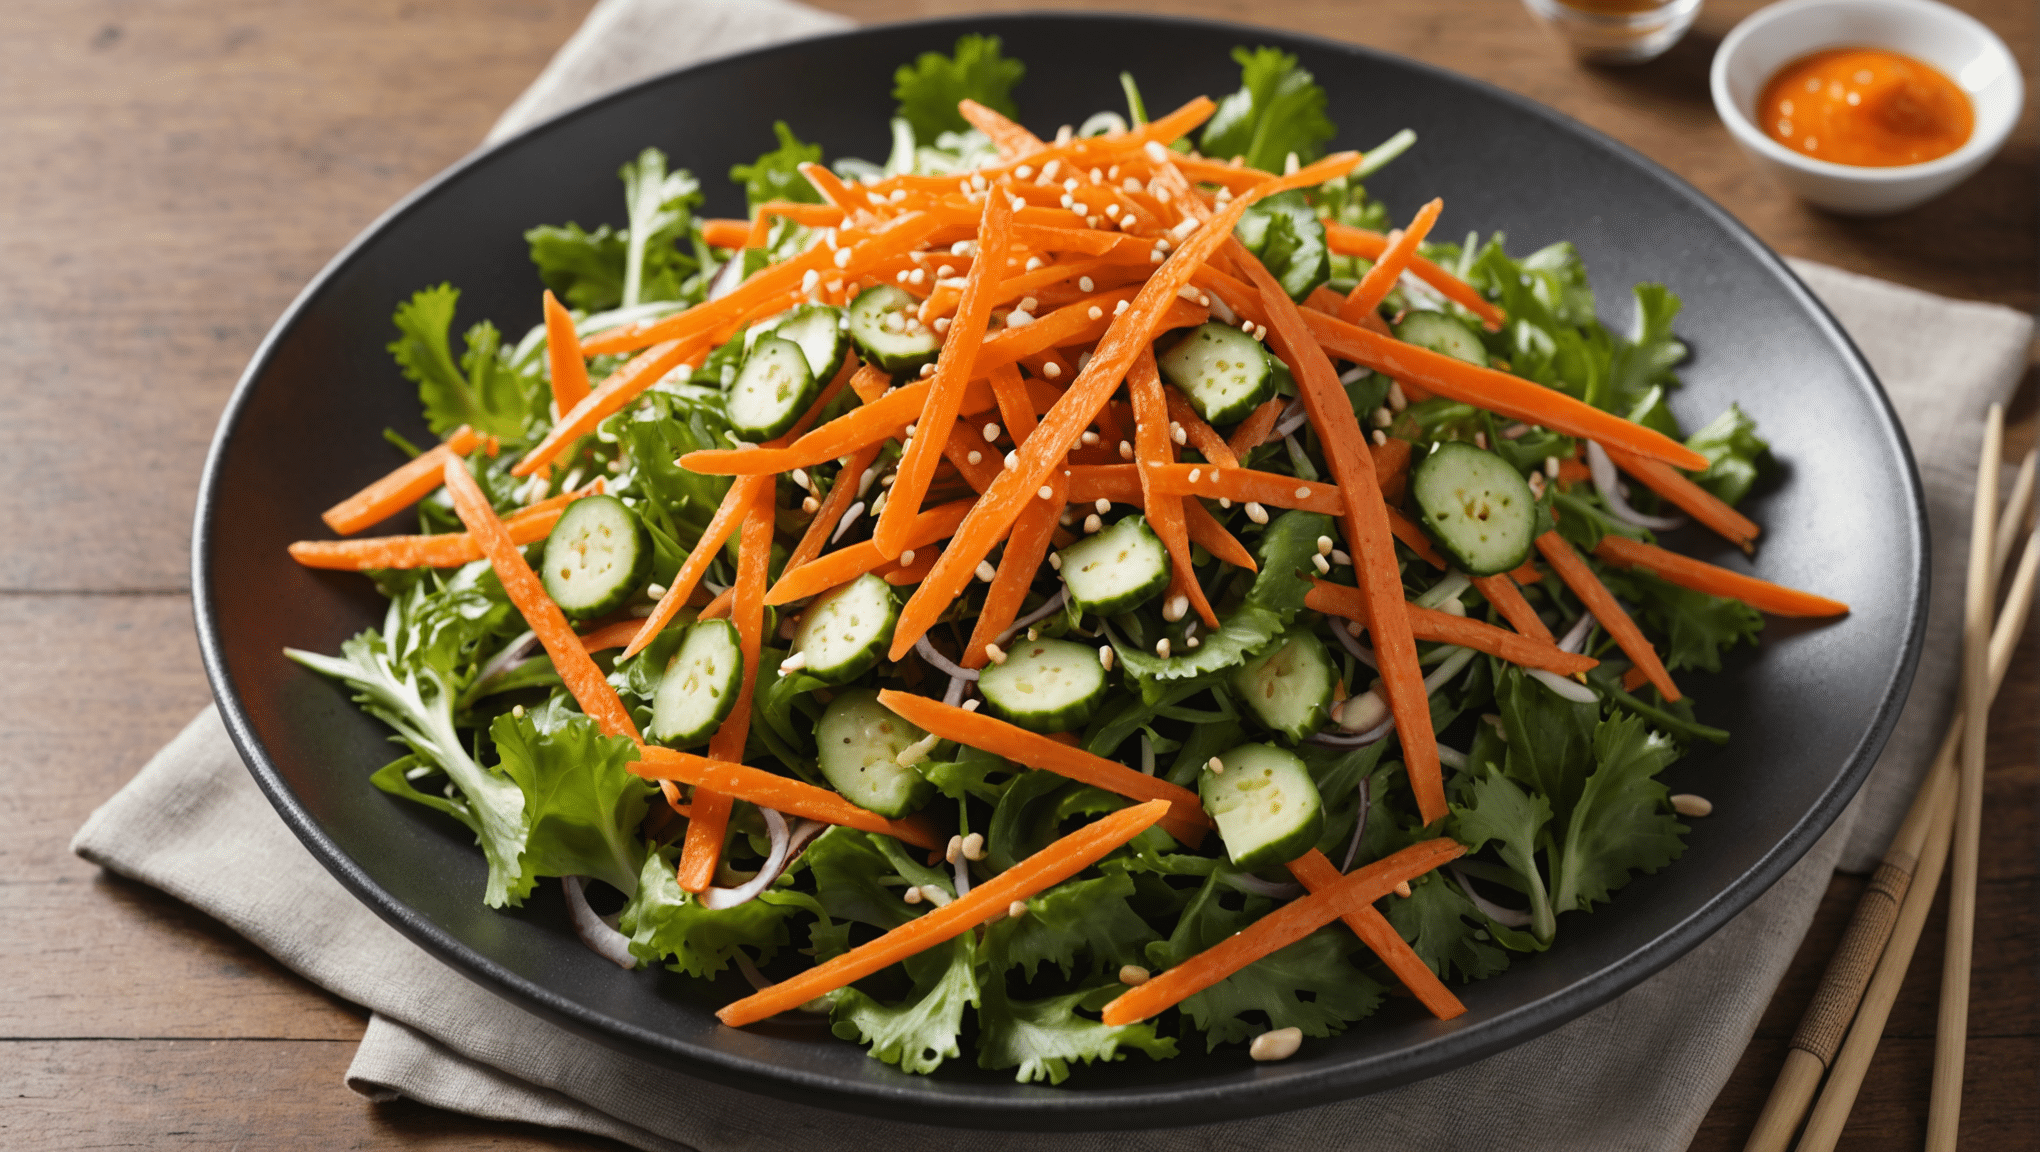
(1809, 715)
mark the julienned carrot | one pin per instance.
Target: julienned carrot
(812, 215)
(1015, 407)
(527, 525)
(726, 233)
(832, 188)
(1407, 531)
(1526, 572)
(1499, 392)
(1279, 929)
(407, 484)
(1202, 436)
(1634, 678)
(1697, 502)
(963, 442)
(1445, 628)
(898, 574)
(717, 608)
(709, 823)
(1025, 548)
(1508, 600)
(1051, 441)
(620, 388)
(952, 371)
(590, 688)
(841, 495)
(1601, 603)
(1392, 469)
(1244, 484)
(1392, 263)
(1235, 176)
(1208, 533)
(1686, 572)
(1185, 819)
(1347, 241)
(1152, 454)
(608, 636)
(870, 423)
(1316, 874)
(848, 563)
(779, 793)
(1045, 869)
(727, 519)
(1070, 324)
(563, 354)
(1120, 483)
(1253, 431)
(1368, 534)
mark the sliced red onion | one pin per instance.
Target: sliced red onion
(956, 671)
(513, 654)
(1571, 690)
(1359, 824)
(727, 277)
(717, 899)
(953, 695)
(1353, 739)
(1273, 890)
(1352, 644)
(1506, 917)
(598, 934)
(1293, 417)
(1611, 493)
(752, 976)
(1048, 608)
(1576, 639)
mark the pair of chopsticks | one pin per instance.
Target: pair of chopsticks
(1839, 1033)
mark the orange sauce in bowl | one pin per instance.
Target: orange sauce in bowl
(1865, 106)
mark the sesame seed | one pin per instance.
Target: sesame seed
(985, 571)
(1480, 440)
(1133, 975)
(1177, 433)
(975, 456)
(1017, 908)
(1092, 524)
(1162, 647)
(1125, 450)
(808, 281)
(842, 257)
(1340, 559)
(906, 558)
(517, 710)
(1120, 308)
(1383, 417)
(1380, 438)
(1396, 399)
(911, 895)
(1102, 505)
(942, 323)
(1046, 493)
(1324, 545)
(1033, 263)
(1055, 561)
(1174, 609)
(1215, 764)
(1196, 474)
(1281, 1043)
(1551, 467)
(995, 654)
(1024, 171)
(953, 850)
(1088, 438)
(1155, 151)
(1256, 513)
(1086, 284)
(1019, 318)
(1303, 491)
(973, 847)
(1095, 312)
(991, 432)
(810, 505)
(1402, 889)
(1012, 459)
(1323, 566)
(1097, 177)
(1051, 370)
(1223, 502)
(1687, 804)
(1105, 656)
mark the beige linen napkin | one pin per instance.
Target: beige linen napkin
(1638, 1073)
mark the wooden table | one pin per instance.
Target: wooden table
(174, 173)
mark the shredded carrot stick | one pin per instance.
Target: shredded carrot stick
(812, 215)
(527, 525)
(870, 423)
(1368, 533)
(1393, 262)
(407, 484)
(1254, 430)
(1348, 241)
(1508, 600)
(1237, 177)
(1279, 929)
(1201, 435)
(1407, 531)
(623, 385)
(848, 563)
(609, 636)
(832, 188)
(1069, 325)
(1015, 406)
(1045, 869)
(1526, 572)
(898, 574)
(1601, 603)
(1499, 392)
(841, 495)
(1025, 548)
(1316, 874)
(583, 679)
(1244, 484)
(952, 371)
(718, 607)
(779, 793)
(1048, 446)
(726, 233)
(1119, 483)
(964, 441)
(1208, 533)
(1185, 818)
(1152, 455)
(1696, 501)
(1392, 469)
(728, 517)
(1445, 628)
(563, 354)
(1687, 572)
(1634, 678)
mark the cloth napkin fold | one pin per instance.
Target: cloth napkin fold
(1638, 1073)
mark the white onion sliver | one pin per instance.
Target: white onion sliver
(1294, 417)
(601, 939)
(1051, 606)
(717, 899)
(956, 671)
(1571, 690)
(1611, 493)
(1576, 639)
(1359, 823)
(1506, 917)
(727, 278)
(1451, 667)
(1273, 890)
(1452, 758)
(512, 655)
(953, 695)
(961, 867)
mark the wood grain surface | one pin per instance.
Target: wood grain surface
(175, 172)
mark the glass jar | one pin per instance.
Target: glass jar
(1616, 31)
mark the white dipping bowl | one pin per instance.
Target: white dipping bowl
(1962, 48)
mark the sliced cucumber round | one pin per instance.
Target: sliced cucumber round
(700, 685)
(1118, 569)
(1045, 685)
(1223, 371)
(1441, 333)
(1290, 689)
(819, 329)
(885, 322)
(1265, 804)
(772, 389)
(857, 747)
(846, 631)
(1478, 508)
(597, 555)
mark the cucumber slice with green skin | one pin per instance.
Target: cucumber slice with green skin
(1045, 686)
(819, 330)
(597, 555)
(772, 389)
(1290, 689)
(699, 686)
(1478, 509)
(885, 322)
(1116, 570)
(857, 745)
(846, 631)
(1441, 333)
(1265, 804)
(1223, 371)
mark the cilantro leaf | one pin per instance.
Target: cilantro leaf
(969, 774)
(1279, 109)
(1735, 454)
(1284, 232)
(850, 873)
(1443, 927)
(929, 89)
(1498, 810)
(584, 269)
(661, 206)
(1041, 1037)
(663, 920)
(1079, 916)
(1622, 823)
(582, 806)
(1550, 738)
(920, 1032)
(776, 174)
(483, 390)
(1697, 626)
(1644, 361)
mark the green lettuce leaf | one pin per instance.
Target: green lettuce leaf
(582, 807)
(1696, 628)
(1039, 1038)
(1622, 823)
(776, 174)
(850, 873)
(1078, 917)
(1550, 738)
(929, 89)
(1644, 361)
(1735, 454)
(663, 920)
(483, 390)
(661, 206)
(1279, 109)
(1287, 236)
(919, 1032)
(584, 269)
(1498, 810)
(1444, 929)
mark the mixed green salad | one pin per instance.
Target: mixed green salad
(1055, 595)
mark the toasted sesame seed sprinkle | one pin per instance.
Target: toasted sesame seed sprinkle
(995, 654)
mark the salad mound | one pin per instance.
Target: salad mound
(1057, 597)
